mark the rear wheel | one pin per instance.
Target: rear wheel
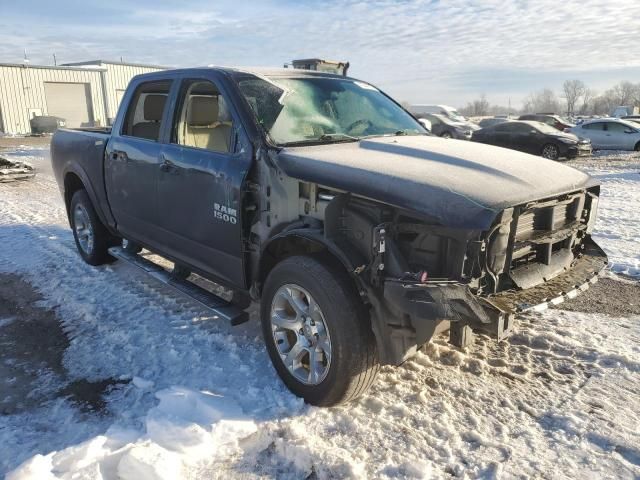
(637, 147)
(316, 332)
(446, 135)
(550, 151)
(91, 237)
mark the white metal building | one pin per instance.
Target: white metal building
(83, 94)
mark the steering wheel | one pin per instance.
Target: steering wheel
(362, 121)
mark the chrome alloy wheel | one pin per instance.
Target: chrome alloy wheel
(550, 151)
(83, 228)
(300, 334)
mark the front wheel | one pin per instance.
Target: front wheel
(550, 151)
(316, 332)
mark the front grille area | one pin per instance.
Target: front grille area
(546, 227)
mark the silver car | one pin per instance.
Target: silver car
(610, 134)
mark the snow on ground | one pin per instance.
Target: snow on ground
(618, 227)
(559, 399)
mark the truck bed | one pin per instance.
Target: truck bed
(80, 151)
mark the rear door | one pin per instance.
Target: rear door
(200, 179)
(132, 162)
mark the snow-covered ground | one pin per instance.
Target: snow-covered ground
(199, 399)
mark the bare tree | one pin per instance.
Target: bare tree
(476, 108)
(623, 93)
(573, 90)
(587, 98)
(541, 101)
(481, 106)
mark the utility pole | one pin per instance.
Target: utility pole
(55, 60)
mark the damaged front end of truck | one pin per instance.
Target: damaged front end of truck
(426, 278)
(425, 257)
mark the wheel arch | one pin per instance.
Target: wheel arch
(72, 183)
(75, 179)
(306, 242)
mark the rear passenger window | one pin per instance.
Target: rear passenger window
(594, 126)
(203, 119)
(144, 116)
(616, 127)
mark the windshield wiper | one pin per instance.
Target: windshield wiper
(322, 139)
(337, 136)
(397, 133)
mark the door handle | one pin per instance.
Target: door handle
(120, 155)
(167, 166)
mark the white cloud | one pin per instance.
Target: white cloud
(417, 50)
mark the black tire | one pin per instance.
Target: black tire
(550, 151)
(637, 147)
(354, 359)
(446, 135)
(95, 252)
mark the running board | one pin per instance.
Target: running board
(219, 306)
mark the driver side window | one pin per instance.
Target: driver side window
(203, 119)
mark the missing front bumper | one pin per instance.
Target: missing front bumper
(416, 310)
(582, 273)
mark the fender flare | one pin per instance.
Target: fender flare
(346, 255)
(86, 183)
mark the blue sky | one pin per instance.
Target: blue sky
(420, 51)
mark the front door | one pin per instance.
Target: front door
(199, 183)
(596, 133)
(132, 161)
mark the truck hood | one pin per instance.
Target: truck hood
(458, 184)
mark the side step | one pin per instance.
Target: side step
(219, 306)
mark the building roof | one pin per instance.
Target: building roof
(115, 62)
(96, 68)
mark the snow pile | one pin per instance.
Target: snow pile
(186, 429)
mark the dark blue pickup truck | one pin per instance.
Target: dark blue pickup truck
(361, 235)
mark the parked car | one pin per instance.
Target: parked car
(632, 118)
(534, 137)
(610, 134)
(45, 124)
(445, 110)
(425, 123)
(554, 121)
(361, 235)
(625, 110)
(444, 127)
(489, 122)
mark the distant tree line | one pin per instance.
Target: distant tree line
(576, 98)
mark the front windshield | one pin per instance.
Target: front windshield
(308, 110)
(454, 115)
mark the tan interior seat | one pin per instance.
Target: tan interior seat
(205, 128)
(152, 110)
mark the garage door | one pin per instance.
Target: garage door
(70, 101)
